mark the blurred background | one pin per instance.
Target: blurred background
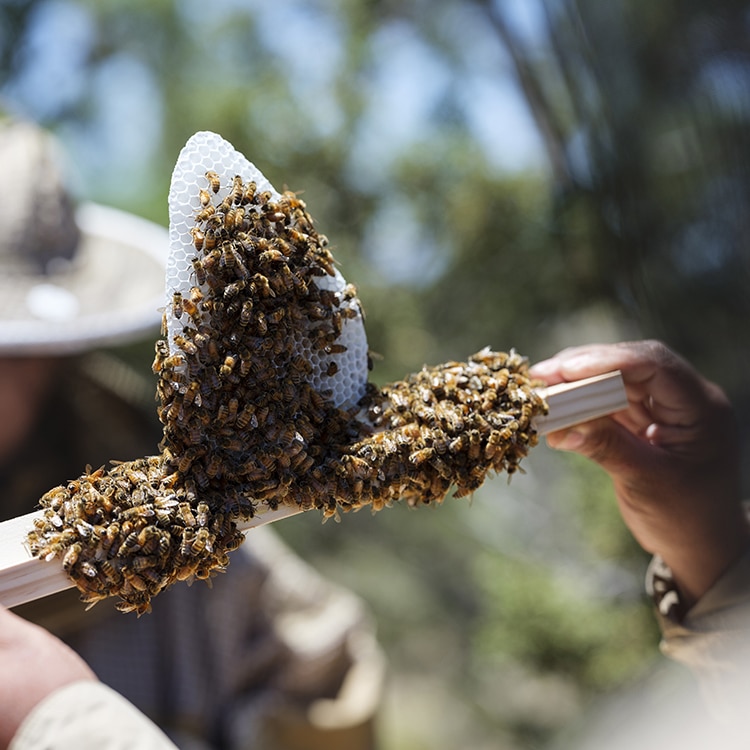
(513, 173)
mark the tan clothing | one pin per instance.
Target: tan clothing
(712, 638)
(88, 716)
(270, 657)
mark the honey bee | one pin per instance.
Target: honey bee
(350, 313)
(246, 312)
(70, 558)
(317, 312)
(149, 539)
(233, 289)
(89, 569)
(130, 544)
(474, 445)
(212, 349)
(201, 543)
(276, 316)
(135, 580)
(205, 213)
(263, 198)
(501, 378)
(108, 570)
(457, 445)
(204, 197)
(177, 307)
(452, 420)
(419, 457)
(192, 393)
(302, 463)
(111, 534)
(198, 270)
(275, 217)
(260, 324)
(185, 345)
(234, 218)
(286, 278)
(185, 514)
(141, 563)
(527, 411)
(245, 417)
(246, 364)
(324, 264)
(332, 369)
(222, 414)
(135, 475)
(235, 196)
(186, 461)
(198, 238)
(249, 192)
(136, 512)
(214, 466)
(440, 445)
(227, 368)
(359, 466)
(272, 255)
(336, 321)
(210, 240)
(262, 286)
(170, 363)
(161, 348)
(300, 285)
(202, 514)
(214, 181)
(261, 411)
(189, 306)
(232, 259)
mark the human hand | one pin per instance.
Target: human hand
(673, 456)
(33, 664)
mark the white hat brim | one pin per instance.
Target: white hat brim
(112, 293)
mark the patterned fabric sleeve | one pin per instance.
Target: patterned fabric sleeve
(712, 638)
(660, 586)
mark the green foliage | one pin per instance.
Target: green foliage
(547, 619)
(642, 211)
(593, 503)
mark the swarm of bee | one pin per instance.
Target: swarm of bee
(130, 532)
(250, 425)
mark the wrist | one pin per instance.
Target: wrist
(695, 567)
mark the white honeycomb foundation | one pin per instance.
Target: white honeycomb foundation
(207, 151)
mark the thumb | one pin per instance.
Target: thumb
(604, 441)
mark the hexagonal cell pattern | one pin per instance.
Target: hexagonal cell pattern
(206, 151)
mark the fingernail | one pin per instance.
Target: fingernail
(545, 367)
(570, 440)
(579, 362)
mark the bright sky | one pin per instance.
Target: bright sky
(405, 85)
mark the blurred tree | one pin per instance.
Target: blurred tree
(386, 116)
(645, 109)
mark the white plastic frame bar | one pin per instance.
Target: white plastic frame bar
(24, 578)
